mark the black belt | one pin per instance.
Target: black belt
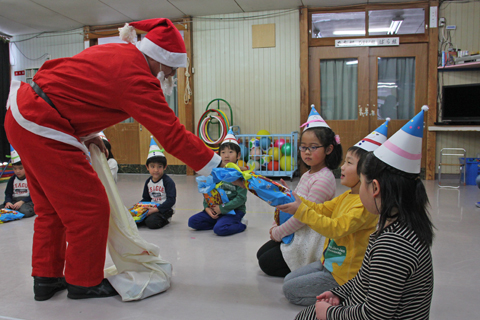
(42, 94)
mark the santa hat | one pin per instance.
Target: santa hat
(230, 137)
(374, 139)
(103, 136)
(14, 155)
(403, 150)
(314, 120)
(154, 150)
(163, 42)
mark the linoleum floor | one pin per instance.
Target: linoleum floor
(219, 278)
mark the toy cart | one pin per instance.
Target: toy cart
(273, 155)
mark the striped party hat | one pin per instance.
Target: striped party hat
(374, 139)
(230, 137)
(403, 150)
(314, 120)
(154, 151)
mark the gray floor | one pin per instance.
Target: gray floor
(218, 277)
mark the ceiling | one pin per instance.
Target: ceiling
(19, 17)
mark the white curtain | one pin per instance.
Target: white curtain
(339, 89)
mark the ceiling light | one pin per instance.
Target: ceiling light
(347, 32)
(395, 26)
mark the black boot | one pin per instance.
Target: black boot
(104, 289)
(44, 288)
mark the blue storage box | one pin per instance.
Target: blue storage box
(472, 167)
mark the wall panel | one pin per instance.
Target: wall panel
(28, 51)
(263, 84)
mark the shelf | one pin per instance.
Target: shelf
(453, 128)
(461, 67)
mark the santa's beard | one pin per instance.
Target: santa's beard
(167, 84)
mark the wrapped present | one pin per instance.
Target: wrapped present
(211, 192)
(139, 212)
(10, 215)
(266, 189)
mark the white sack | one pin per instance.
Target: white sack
(139, 271)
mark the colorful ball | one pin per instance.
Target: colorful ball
(265, 143)
(273, 166)
(279, 143)
(242, 163)
(275, 153)
(244, 152)
(286, 149)
(287, 163)
(254, 143)
(255, 152)
(263, 133)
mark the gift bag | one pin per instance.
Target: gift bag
(138, 270)
(9, 215)
(211, 192)
(266, 189)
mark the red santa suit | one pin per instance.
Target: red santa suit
(91, 91)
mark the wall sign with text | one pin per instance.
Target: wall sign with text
(373, 42)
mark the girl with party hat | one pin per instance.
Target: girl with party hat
(345, 223)
(321, 151)
(396, 278)
(219, 218)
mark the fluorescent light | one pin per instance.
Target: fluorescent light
(395, 26)
(375, 30)
(352, 62)
(347, 32)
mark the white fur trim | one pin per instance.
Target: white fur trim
(38, 129)
(157, 53)
(214, 162)
(128, 33)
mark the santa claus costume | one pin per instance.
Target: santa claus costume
(71, 100)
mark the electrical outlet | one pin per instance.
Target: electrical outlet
(451, 27)
(441, 22)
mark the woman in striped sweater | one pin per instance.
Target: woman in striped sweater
(396, 277)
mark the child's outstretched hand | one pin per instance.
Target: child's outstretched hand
(152, 209)
(292, 206)
(211, 213)
(17, 205)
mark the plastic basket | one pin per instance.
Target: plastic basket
(265, 156)
(472, 167)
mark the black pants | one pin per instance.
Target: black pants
(271, 261)
(158, 220)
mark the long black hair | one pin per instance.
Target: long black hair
(326, 136)
(403, 197)
(109, 148)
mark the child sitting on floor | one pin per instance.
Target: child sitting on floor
(320, 149)
(17, 195)
(346, 224)
(159, 188)
(217, 216)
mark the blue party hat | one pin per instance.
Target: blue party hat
(375, 139)
(14, 155)
(314, 120)
(155, 150)
(404, 149)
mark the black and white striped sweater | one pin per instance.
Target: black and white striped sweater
(394, 282)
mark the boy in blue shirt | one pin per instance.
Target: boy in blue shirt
(160, 189)
(17, 195)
